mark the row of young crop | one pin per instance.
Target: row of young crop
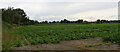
(37, 38)
(13, 41)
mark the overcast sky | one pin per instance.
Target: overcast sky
(51, 10)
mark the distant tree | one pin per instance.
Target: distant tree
(98, 21)
(65, 21)
(104, 21)
(80, 21)
(54, 22)
(49, 22)
(57, 22)
(85, 22)
(44, 22)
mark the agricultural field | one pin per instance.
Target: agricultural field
(55, 33)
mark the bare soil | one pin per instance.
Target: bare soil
(73, 45)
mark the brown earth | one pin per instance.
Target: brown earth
(73, 45)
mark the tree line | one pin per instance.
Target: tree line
(19, 17)
(83, 22)
(16, 16)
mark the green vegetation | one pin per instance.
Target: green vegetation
(114, 38)
(54, 33)
(11, 44)
(7, 39)
(25, 42)
(18, 42)
(89, 45)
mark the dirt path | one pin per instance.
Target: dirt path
(83, 44)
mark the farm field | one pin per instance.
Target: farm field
(55, 33)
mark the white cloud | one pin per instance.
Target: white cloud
(110, 14)
(50, 11)
(60, 0)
